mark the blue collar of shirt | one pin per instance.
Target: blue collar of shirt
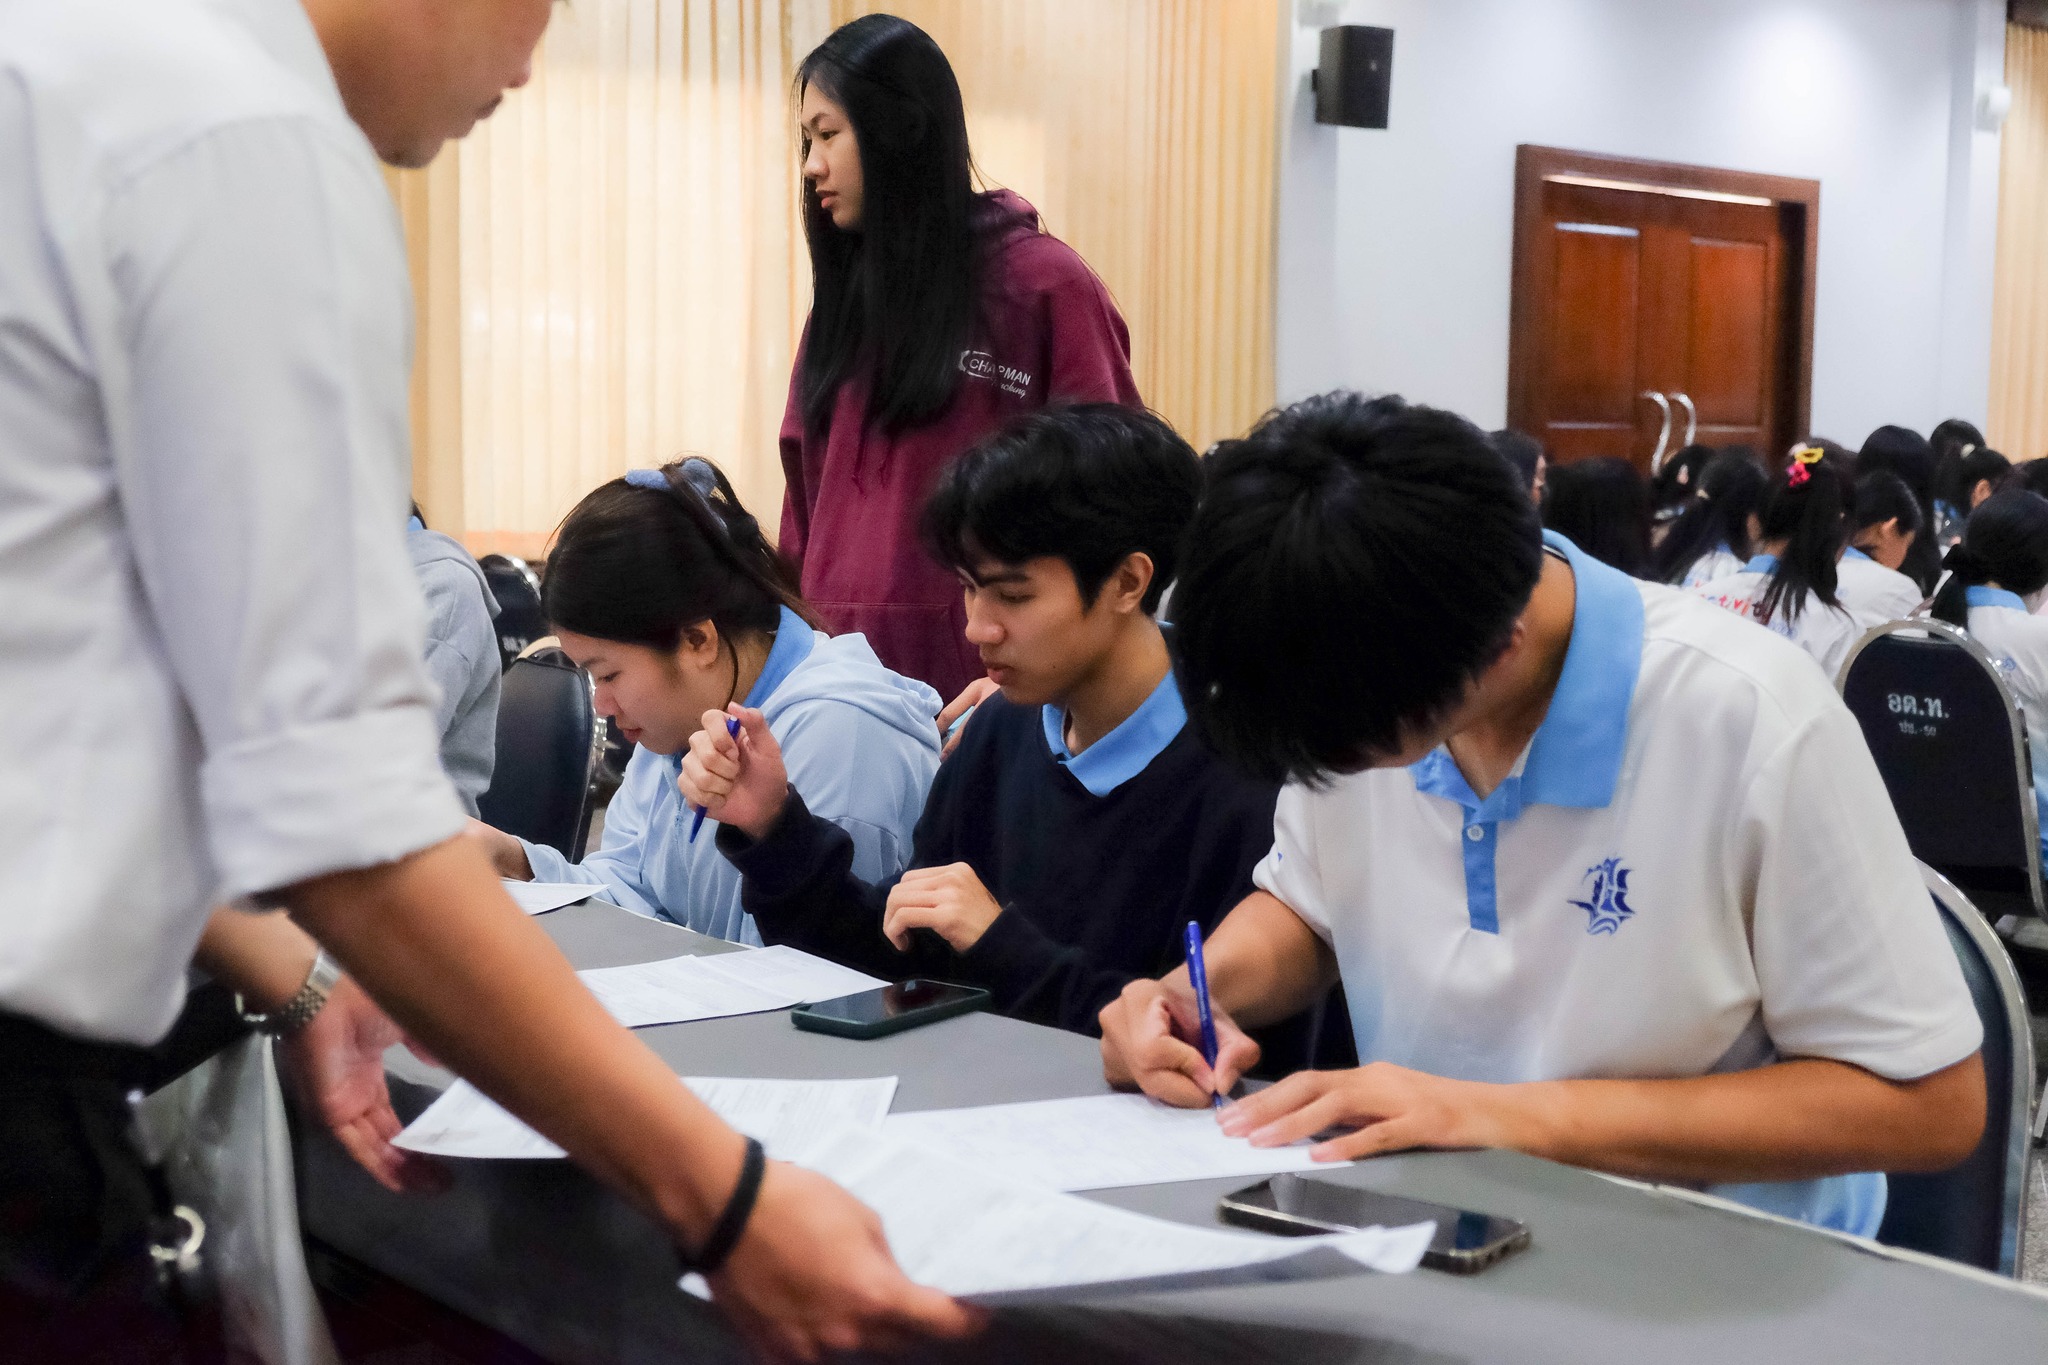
(1761, 564)
(1124, 752)
(1980, 596)
(1853, 553)
(1575, 758)
(793, 643)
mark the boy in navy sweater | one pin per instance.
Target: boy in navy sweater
(1081, 823)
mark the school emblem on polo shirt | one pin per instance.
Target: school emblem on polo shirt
(1606, 904)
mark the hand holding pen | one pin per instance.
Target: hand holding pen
(733, 770)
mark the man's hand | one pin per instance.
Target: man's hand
(738, 780)
(336, 1068)
(949, 900)
(972, 696)
(1151, 1040)
(1392, 1109)
(812, 1274)
(507, 854)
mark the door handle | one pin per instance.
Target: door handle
(1663, 432)
(1692, 419)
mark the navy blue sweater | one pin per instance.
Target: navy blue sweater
(1095, 890)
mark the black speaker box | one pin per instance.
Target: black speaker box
(1353, 76)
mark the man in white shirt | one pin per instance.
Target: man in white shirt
(1608, 876)
(211, 683)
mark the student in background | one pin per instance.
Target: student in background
(1882, 528)
(1525, 453)
(1974, 476)
(1603, 507)
(1950, 441)
(937, 313)
(462, 656)
(1790, 584)
(663, 588)
(1715, 532)
(1906, 453)
(1080, 824)
(1609, 877)
(1677, 480)
(1997, 579)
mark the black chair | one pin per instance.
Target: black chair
(517, 590)
(1951, 744)
(1976, 1211)
(549, 744)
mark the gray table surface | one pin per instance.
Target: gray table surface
(1617, 1273)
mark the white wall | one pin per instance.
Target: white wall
(1394, 247)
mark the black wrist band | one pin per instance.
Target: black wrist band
(725, 1234)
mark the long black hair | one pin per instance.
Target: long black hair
(1906, 453)
(1972, 467)
(1807, 508)
(644, 558)
(1603, 507)
(898, 299)
(2005, 542)
(1882, 496)
(1728, 493)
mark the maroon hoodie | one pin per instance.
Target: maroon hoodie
(849, 519)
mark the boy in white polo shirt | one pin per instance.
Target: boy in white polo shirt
(1607, 873)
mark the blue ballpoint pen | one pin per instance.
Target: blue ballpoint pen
(1198, 973)
(732, 727)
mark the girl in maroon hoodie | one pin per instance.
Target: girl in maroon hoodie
(937, 314)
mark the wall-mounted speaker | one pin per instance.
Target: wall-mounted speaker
(1353, 75)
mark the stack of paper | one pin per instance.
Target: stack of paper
(537, 898)
(785, 1116)
(1098, 1142)
(679, 989)
(964, 1230)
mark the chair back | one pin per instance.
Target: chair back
(1951, 744)
(1975, 1212)
(549, 742)
(517, 590)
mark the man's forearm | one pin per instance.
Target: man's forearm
(1264, 963)
(1794, 1120)
(434, 939)
(262, 956)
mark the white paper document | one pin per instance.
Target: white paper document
(1097, 1142)
(961, 1229)
(785, 1116)
(537, 898)
(678, 989)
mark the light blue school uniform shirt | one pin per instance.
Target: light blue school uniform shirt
(1693, 868)
(860, 743)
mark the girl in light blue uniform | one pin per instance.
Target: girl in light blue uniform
(1996, 577)
(663, 588)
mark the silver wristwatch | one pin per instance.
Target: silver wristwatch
(297, 1012)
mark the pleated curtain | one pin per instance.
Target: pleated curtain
(611, 272)
(2018, 422)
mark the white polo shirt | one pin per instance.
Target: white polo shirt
(1871, 591)
(2017, 641)
(1715, 563)
(1694, 868)
(1827, 633)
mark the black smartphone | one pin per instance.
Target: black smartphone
(892, 1009)
(1298, 1206)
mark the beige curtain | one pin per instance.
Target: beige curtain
(611, 271)
(2019, 311)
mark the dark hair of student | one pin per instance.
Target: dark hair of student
(1883, 497)
(1950, 441)
(897, 300)
(2031, 475)
(641, 562)
(1678, 477)
(1730, 491)
(1982, 465)
(1603, 507)
(1524, 452)
(1906, 453)
(1090, 484)
(2005, 542)
(1355, 564)
(1807, 507)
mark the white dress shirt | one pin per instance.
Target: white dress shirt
(210, 647)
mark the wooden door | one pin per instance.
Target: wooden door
(1643, 289)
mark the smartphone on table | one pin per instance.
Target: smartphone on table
(891, 1009)
(1300, 1206)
